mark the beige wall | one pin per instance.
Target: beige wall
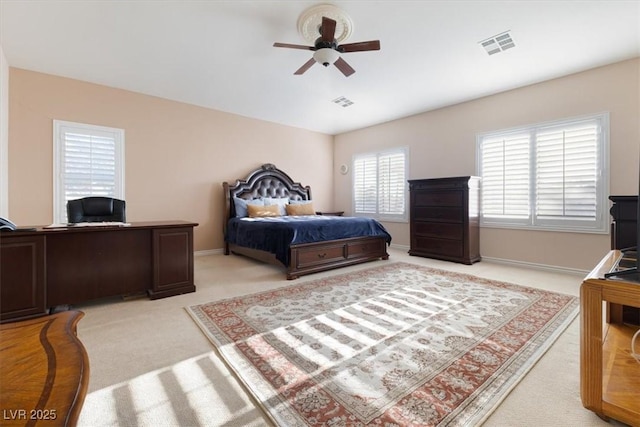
(442, 143)
(4, 135)
(176, 155)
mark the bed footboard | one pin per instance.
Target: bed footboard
(311, 258)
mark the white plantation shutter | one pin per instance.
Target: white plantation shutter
(89, 162)
(379, 184)
(567, 172)
(547, 176)
(365, 184)
(505, 165)
(391, 183)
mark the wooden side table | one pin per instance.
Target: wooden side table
(609, 375)
(44, 372)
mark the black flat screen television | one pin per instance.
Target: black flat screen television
(630, 273)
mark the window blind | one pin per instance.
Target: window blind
(88, 163)
(566, 172)
(546, 176)
(505, 176)
(365, 184)
(379, 184)
(391, 183)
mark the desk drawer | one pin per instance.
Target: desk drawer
(172, 262)
(438, 229)
(312, 256)
(91, 264)
(22, 276)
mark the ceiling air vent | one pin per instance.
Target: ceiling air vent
(342, 101)
(498, 43)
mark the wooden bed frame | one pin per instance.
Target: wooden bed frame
(305, 258)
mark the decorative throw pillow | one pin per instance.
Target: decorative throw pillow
(241, 205)
(262, 211)
(299, 202)
(281, 202)
(304, 209)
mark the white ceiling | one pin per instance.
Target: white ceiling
(220, 54)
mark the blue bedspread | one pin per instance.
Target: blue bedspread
(276, 234)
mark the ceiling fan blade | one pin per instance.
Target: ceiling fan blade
(294, 46)
(305, 67)
(345, 68)
(328, 29)
(360, 46)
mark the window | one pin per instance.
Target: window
(379, 185)
(546, 176)
(88, 161)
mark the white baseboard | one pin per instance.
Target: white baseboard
(209, 252)
(400, 247)
(536, 266)
(532, 265)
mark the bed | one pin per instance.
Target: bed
(303, 244)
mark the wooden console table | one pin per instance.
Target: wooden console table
(609, 375)
(44, 372)
(50, 267)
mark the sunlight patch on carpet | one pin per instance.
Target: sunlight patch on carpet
(177, 395)
(398, 344)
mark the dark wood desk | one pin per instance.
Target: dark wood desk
(44, 372)
(63, 266)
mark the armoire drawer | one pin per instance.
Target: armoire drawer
(438, 198)
(439, 230)
(437, 213)
(443, 247)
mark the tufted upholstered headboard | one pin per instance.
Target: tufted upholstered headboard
(268, 181)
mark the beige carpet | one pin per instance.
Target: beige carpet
(152, 366)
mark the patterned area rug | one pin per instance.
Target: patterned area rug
(396, 345)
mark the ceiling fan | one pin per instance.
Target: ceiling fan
(327, 50)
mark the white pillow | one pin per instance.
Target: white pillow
(299, 202)
(241, 205)
(280, 201)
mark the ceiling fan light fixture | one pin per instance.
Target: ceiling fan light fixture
(310, 21)
(327, 50)
(326, 56)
